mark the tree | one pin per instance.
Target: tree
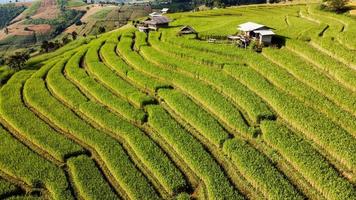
(57, 44)
(18, 60)
(101, 29)
(336, 5)
(65, 40)
(78, 23)
(74, 35)
(45, 46)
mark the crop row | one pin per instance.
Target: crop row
(288, 83)
(140, 40)
(202, 58)
(349, 29)
(109, 150)
(89, 85)
(338, 70)
(341, 28)
(283, 80)
(260, 171)
(306, 73)
(308, 161)
(193, 113)
(88, 180)
(7, 188)
(196, 125)
(146, 150)
(198, 159)
(115, 83)
(204, 93)
(22, 163)
(299, 89)
(112, 60)
(254, 166)
(134, 184)
(243, 97)
(327, 44)
(334, 140)
(28, 125)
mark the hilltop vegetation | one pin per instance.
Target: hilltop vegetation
(161, 116)
(43, 20)
(8, 12)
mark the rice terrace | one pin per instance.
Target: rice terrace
(137, 113)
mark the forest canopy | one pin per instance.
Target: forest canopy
(9, 12)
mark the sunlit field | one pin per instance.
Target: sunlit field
(130, 115)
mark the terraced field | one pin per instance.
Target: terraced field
(160, 116)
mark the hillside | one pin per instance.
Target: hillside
(162, 116)
(8, 12)
(52, 20)
(108, 16)
(43, 20)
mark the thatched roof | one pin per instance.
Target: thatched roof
(158, 20)
(187, 30)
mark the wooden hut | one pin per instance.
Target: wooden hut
(187, 30)
(256, 31)
(156, 22)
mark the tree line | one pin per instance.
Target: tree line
(181, 5)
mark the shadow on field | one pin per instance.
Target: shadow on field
(172, 27)
(279, 40)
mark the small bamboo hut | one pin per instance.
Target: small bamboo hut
(156, 22)
(187, 30)
(256, 31)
